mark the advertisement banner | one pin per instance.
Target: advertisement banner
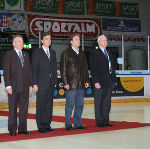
(74, 7)
(104, 8)
(121, 25)
(2, 5)
(84, 7)
(112, 9)
(62, 27)
(127, 86)
(46, 6)
(130, 10)
(12, 21)
(130, 39)
(12, 5)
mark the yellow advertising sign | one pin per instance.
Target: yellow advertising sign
(132, 84)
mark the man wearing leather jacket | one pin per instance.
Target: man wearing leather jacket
(74, 73)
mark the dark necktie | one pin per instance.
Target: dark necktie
(106, 55)
(21, 58)
(48, 55)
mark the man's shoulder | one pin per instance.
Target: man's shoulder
(67, 50)
(52, 51)
(95, 51)
(10, 52)
(37, 51)
(25, 53)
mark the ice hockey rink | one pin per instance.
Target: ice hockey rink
(128, 138)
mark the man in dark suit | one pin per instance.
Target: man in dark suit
(18, 82)
(103, 75)
(44, 69)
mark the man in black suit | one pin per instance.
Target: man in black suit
(18, 82)
(103, 75)
(44, 69)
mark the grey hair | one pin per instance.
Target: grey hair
(15, 36)
(100, 37)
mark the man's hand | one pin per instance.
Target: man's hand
(67, 87)
(30, 89)
(116, 83)
(9, 90)
(35, 88)
(97, 85)
(86, 85)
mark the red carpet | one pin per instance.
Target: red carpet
(90, 123)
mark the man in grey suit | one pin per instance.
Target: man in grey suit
(103, 76)
(18, 82)
(44, 71)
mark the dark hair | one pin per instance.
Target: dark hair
(73, 35)
(128, 67)
(15, 36)
(45, 34)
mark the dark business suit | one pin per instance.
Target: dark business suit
(99, 66)
(44, 76)
(19, 78)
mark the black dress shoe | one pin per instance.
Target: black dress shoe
(25, 132)
(81, 127)
(42, 130)
(12, 134)
(109, 125)
(101, 125)
(50, 130)
(69, 128)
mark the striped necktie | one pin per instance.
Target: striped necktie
(106, 55)
(21, 58)
(48, 55)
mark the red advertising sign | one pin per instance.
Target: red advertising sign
(62, 27)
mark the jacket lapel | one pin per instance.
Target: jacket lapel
(17, 58)
(103, 55)
(44, 54)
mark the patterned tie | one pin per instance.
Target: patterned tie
(48, 55)
(21, 58)
(106, 55)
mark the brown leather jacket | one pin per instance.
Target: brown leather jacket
(74, 69)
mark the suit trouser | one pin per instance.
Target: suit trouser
(23, 99)
(102, 104)
(44, 107)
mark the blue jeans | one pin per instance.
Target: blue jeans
(74, 97)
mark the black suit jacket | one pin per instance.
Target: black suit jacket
(99, 67)
(14, 75)
(44, 72)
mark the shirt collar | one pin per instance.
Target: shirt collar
(17, 51)
(77, 51)
(102, 48)
(45, 49)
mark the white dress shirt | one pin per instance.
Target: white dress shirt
(107, 55)
(77, 51)
(46, 51)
